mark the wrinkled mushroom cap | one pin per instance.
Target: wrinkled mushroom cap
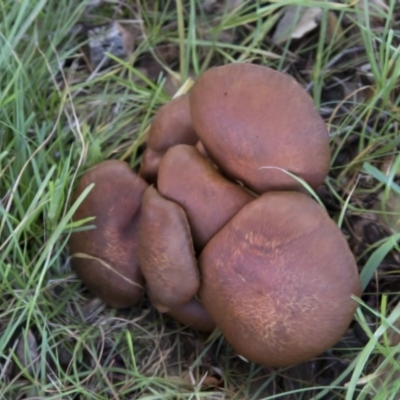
(172, 125)
(105, 257)
(209, 200)
(278, 280)
(249, 117)
(165, 252)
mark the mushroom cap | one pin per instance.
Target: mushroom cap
(201, 149)
(209, 200)
(165, 252)
(248, 117)
(194, 315)
(172, 125)
(105, 257)
(278, 280)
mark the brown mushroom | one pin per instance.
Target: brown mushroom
(105, 257)
(208, 199)
(172, 125)
(165, 252)
(166, 258)
(194, 315)
(249, 117)
(201, 149)
(276, 274)
(278, 280)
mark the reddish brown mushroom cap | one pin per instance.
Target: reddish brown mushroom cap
(194, 315)
(172, 125)
(200, 147)
(208, 199)
(105, 257)
(165, 252)
(249, 117)
(278, 280)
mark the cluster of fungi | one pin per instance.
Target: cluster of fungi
(214, 229)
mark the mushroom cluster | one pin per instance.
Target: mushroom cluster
(216, 228)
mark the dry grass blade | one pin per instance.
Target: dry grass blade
(58, 118)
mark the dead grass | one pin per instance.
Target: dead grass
(59, 115)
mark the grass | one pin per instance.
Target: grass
(57, 118)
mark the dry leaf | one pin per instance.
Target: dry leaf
(27, 351)
(391, 210)
(205, 382)
(220, 6)
(334, 29)
(92, 310)
(375, 10)
(296, 22)
(172, 84)
(112, 38)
